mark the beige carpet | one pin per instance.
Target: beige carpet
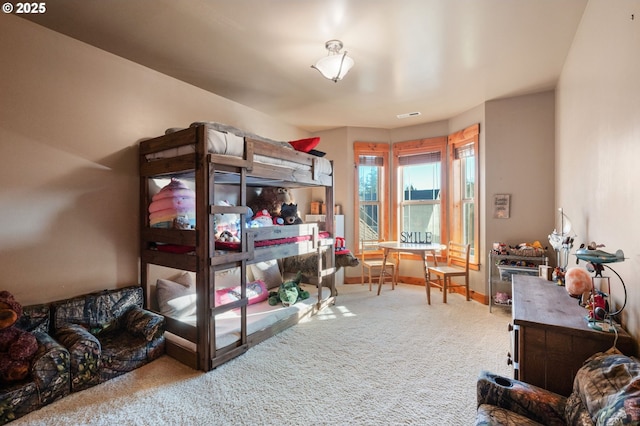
(368, 360)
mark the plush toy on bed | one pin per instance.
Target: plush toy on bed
(289, 292)
(229, 222)
(17, 347)
(173, 207)
(261, 218)
(227, 236)
(289, 214)
(271, 199)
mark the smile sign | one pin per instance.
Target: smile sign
(416, 237)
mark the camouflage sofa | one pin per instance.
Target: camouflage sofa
(49, 375)
(107, 334)
(606, 391)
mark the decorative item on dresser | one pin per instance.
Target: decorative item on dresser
(551, 338)
(601, 316)
(562, 242)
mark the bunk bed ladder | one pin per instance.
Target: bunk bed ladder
(215, 357)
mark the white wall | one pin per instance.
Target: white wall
(519, 160)
(519, 134)
(70, 119)
(598, 139)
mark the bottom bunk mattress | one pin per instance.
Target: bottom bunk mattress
(260, 316)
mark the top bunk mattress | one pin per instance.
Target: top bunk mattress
(226, 140)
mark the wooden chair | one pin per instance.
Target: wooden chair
(372, 263)
(440, 275)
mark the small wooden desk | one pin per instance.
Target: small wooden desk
(422, 249)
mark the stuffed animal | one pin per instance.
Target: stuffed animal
(173, 207)
(17, 347)
(248, 218)
(308, 263)
(289, 214)
(226, 236)
(289, 292)
(271, 200)
(578, 284)
(226, 221)
(262, 218)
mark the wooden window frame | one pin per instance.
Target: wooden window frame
(416, 147)
(380, 150)
(467, 136)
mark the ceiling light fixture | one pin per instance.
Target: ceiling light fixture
(335, 65)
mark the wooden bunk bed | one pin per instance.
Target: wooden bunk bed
(196, 154)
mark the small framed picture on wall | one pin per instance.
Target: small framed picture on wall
(501, 204)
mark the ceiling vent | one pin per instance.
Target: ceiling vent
(409, 114)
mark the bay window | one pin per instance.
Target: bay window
(433, 188)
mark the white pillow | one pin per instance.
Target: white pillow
(267, 271)
(228, 278)
(186, 279)
(176, 298)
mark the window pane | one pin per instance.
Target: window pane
(468, 224)
(368, 188)
(421, 182)
(369, 222)
(371, 207)
(369, 193)
(469, 177)
(420, 223)
(421, 203)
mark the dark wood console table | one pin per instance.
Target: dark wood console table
(551, 336)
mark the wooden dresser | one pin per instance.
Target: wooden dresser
(551, 337)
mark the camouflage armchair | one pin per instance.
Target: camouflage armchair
(606, 391)
(107, 333)
(49, 375)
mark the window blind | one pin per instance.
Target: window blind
(370, 160)
(464, 151)
(422, 158)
